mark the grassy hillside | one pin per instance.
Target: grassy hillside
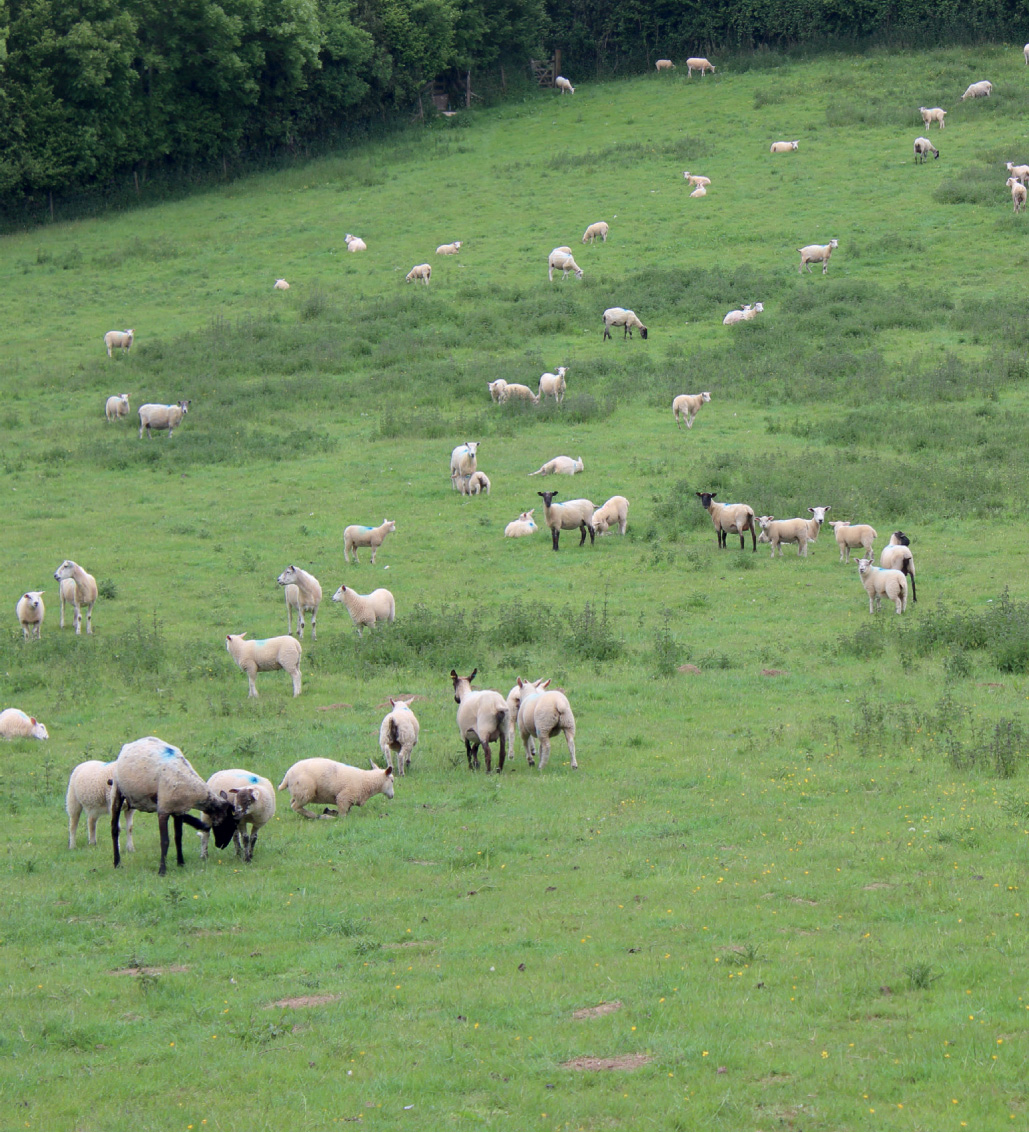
(787, 873)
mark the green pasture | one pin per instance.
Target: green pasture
(783, 890)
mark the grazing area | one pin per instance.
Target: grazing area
(733, 913)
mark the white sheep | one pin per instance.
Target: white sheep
(896, 555)
(1019, 171)
(695, 179)
(923, 147)
(817, 254)
(420, 271)
(665, 65)
(325, 781)
(90, 787)
(615, 512)
(496, 389)
(622, 317)
(476, 484)
(783, 147)
(553, 385)
(31, 612)
(563, 85)
(686, 406)
(541, 714)
(280, 285)
(931, 114)
(515, 391)
(743, 315)
(15, 724)
(118, 340)
(729, 519)
(560, 465)
(161, 417)
(398, 733)
(355, 536)
(117, 406)
(355, 243)
(85, 593)
(449, 249)
(254, 795)
(698, 64)
(302, 592)
(600, 228)
(699, 191)
(1018, 193)
(264, 655)
(851, 536)
(523, 525)
(568, 516)
(367, 609)
(799, 531)
(981, 89)
(1025, 52)
(562, 259)
(880, 583)
(481, 720)
(462, 462)
(67, 591)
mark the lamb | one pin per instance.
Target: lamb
(698, 64)
(614, 511)
(540, 715)
(481, 720)
(745, 314)
(90, 787)
(600, 228)
(1018, 193)
(398, 733)
(254, 795)
(67, 591)
(848, 536)
(896, 555)
(783, 147)
(981, 89)
(477, 483)
(117, 407)
(85, 593)
(151, 775)
(668, 65)
(280, 285)
(1019, 171)
(161, 417)
(686, 407)
(326, 781)
(515, 391)
(817, 254)
(562, 259)
(118, 340)
(799, 531)
(567, 516)
(553, 385)
(563, 85)
(420, 271)
(621, 317)
(261, 656)
(931, 115)
(31, 611)
(355, 536)
(462, 461)
(523, 525)
(15, 724)
(367, 609)
(302, 592)
(923, 147)
(562, 465)
(449, 249)
(355, 243)
(880, 583)
(729, 519)
(496, 389)
(696, 179)
(699, 191)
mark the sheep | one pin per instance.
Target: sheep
(261, 656)
(665, 65)
(523, 525)
(398, 733)
(553, 385)
(896, 555)
(254, 795)
(562, 259)
(280, 285)
(567, 516)
(799, 531)
(420, 271)
(515, 391)
(151, 775)
(540, 715)
(1025, 52)
(880, 583)
(326, 781)
(462, 461)
(686, 407)
(622, 317)
(729, 519)
(923, 147)
(560, 465)
(475, 484)
(817, 254)
(600, 228)
(849, 536)
(614, 511)
(15, 724)
(302, 592)
(699, 191)
(783, 147)
(161, 417)
(695, 179)
(118, 340)
(481, 720)
(355, 243)
(563, 85)
(90, 787)
(981, 89)
(31, 612)
(117, 406)
(931, 115)
(355, 536)
(449, 249)
(745, 314)
(698, 64)
(1018, 193)
(367, 609)
(1019, 171)
(496, 389)
(67, 591)
(85, 593)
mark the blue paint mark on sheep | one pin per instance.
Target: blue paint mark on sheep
(263, 641)
(253, 779)
(169, 752)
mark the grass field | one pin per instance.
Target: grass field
(786, 879)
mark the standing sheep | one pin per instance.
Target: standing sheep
(695, 179)
(600, 228)
(698, 64)
(117, 407)
(981, 89)
(553, 385)
(31, 611)
(880, 583)
(799, 531)
(254, 796)
(567, 516)
(924, 147)
(1019, 171)
(420, 271)
(622, 317)
(161, 417)
(931, 114)
(729, 519)
(496, 389)
(118, 340)
(355, 536)
(1018, 193)
(817, 254)
(398, 733)
(262, 656)
(896, 555)
(615, 512)
(15, 725)
(90, 787)
(462, 462)
(560, 465)
(541, 715)
(302, 592)
(686, 407)
(850, 536)
(562, 259)
(367, 609)
(563, 85)
(324, 781)
(85, 592)
(665, 65)
(481, 720)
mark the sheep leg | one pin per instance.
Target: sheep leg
(177, 821)
(78, 619)
(570, 738)
(73, 825)
(314, 624)
(374, 549)
(472, 751)
(489, 756)
(62, 613)
(300, 623)
(89, 618)
(289, 619)
(503, 751)
(249, 857)
(162, 824)
(296, 681)
(593, 531)
(556, 535)
(91, 828)
(116, 804)
(253, 687)
(129, 815)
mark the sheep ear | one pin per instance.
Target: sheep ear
(453, 675)
(34, 720)
(392, 702)
(389, 772)
(547, 682)
(471, 675)
(224, 795)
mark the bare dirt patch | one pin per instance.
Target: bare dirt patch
(773, 673)
(596, 1012)
(620, 1062)
(149, 971)
(304, 1001)
(688, 669)
(333, 707)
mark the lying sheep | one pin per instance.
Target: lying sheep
(367, 609)
(553, 385)
(462, 462)
(880, 583)
(695, 179)
(562, 259)
(665, 65)
(449, 249)
(850, 536)
(568, 516)
(398, 733)
(699, 191)
(515, 391)
(600, 228)
(355, 536)
(1019, 171)
(924, 147)
(481, 720)
(783, 147)
(280, 285)
(698, 64)
(31, 611)
(686, 406)
(539, 716)
(729, 519)
(563, 85)
(981, 89)
(614, 512)
(90, 787)
(117, 407)
(622, 317)
(560, 465)
(161, 417)
(84, 594)
(476, 484)
(817, 254)
(302, 592)
(254, 796)
(326, 781)
(15, 724)
(420, 271)
(932, 114)
(896, 555)
(799, 531)
(523, 525)
(262, 656)
(744, 314)
(1018, 193)
(118, 340)
(355, 243)
(496, 389)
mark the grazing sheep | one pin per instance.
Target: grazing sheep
(924, 147)
(880, 583)
(1018, 193)
(117, 407)
(614, 512)
(562, 259)
(561, 465)
(67, 590)
(981, 89)
(90, 787)
(420, 271)
(817, 254)
(85, 592)
(481, 720)
(118, 340)
(254, 795)
(477, 483)
(932, 114)
(15, 724)
(600, 228)
(515, 391)
(622, 317)
(695, 179)
(698, 64)
(367, 609)
(355, 243)
(567, 516)
(302, 592)
(496, 389)
(850, 536)
(553, 385)
(896, 555)
(31, 612)
(665, 65)
(326, 781)
(355, 536)
(1019, 171)
(161, 417)
(151, 775)
(462, 462)
(280, 285)
(563, 85)
(729, 519)
(261, 656)
(783, 147)
(523, 525)
(398, 733)
(799, 531)
(686, 407)
(449, 249)
(540, 715)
